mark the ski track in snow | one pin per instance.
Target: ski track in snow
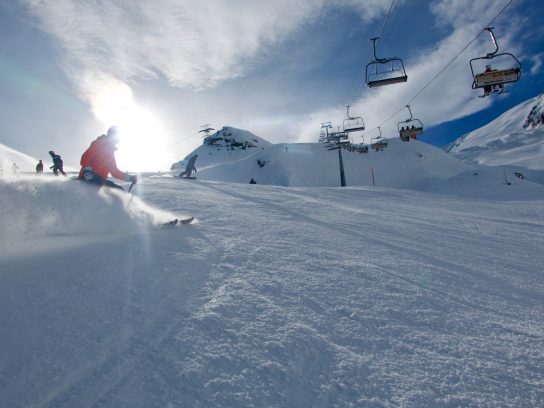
(299, 297)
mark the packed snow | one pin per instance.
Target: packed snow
(277, 296)
(419, 284)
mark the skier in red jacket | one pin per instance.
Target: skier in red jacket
(98, 161)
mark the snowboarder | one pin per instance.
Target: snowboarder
(98, 161)
(252, 181)
(39, 167)
(190, 167)
(57, 163)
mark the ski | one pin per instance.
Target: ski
(177, 221)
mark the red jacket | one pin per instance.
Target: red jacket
(100, 156)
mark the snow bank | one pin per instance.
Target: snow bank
(489, 183)
(37, 212)
(401, 165)
(23, 162)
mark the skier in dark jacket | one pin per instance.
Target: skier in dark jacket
(190, 167)
(57, 163)
(39, 167)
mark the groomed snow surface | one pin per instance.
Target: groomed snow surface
(276, 297)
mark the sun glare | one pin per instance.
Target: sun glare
(143, 140)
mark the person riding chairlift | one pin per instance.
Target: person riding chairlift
(488, 89)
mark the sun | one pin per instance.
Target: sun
(143, 142)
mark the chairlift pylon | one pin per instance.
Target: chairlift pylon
(410, 128)
(491, 78)
(353, 123)
(393, 73)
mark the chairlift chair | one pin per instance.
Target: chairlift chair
(493, 77)
(353, 123)
(392, 71)
(378, 143)
(410, 128)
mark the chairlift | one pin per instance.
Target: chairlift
(353, 123)
(392, 70)
(322, 137)
(410, 128)
(492, 78)
(378, 143)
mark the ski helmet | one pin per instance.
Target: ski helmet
(113, 132)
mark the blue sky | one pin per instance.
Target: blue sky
(70, 69)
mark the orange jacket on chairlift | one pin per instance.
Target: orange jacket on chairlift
(100, 156)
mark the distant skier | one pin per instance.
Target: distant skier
(14, 168)
(98, 161)
(252, 181)
(57, 163)
(39, 167)
(190, 167)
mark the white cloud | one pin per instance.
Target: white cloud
(536, 63)
(192, 43)
(108, 46)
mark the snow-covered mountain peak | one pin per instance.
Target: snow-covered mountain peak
(515, 138)
(227, 144)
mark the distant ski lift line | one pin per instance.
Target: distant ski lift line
(446, 66)
(378, 143)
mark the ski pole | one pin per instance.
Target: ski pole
(130, 188)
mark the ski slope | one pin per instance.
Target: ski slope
(298, 297)
(23, 162)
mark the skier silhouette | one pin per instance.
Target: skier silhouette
(57, 163)
(190, 167)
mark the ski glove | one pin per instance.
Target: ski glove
(133, 179)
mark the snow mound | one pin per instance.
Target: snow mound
(37, 210)
(225, 145)
(489, 183)
(400, 165)
(515, 138)
(23, 162)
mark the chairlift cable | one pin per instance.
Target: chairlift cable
(446, 66)
(386, 18)
(381, 28)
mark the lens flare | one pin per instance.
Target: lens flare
(143, 139)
